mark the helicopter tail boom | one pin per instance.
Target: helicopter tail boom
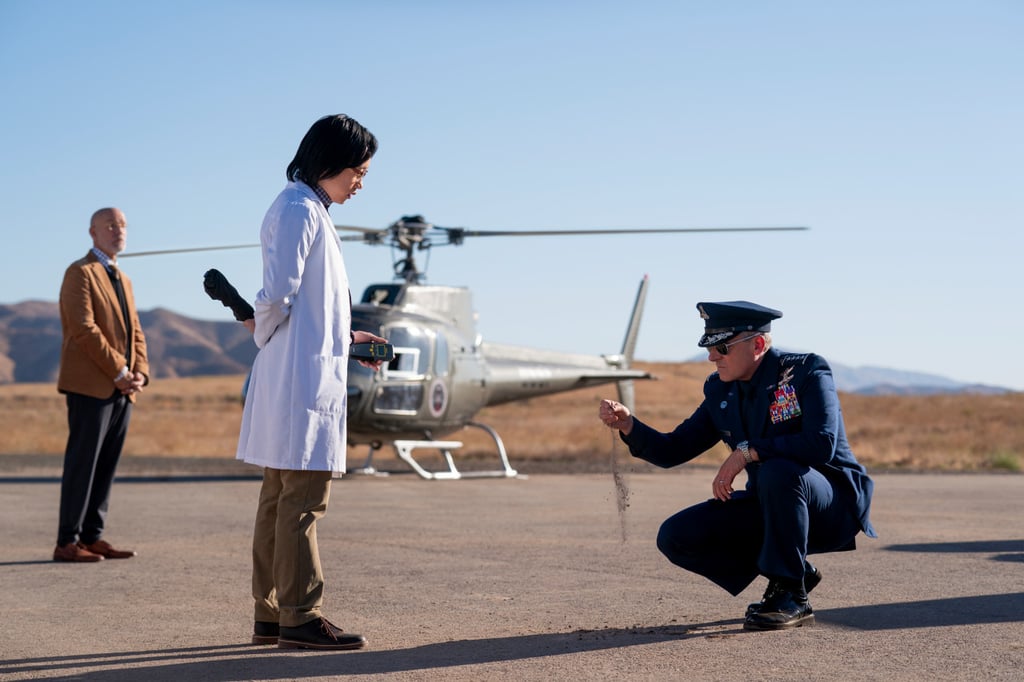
(516, 373)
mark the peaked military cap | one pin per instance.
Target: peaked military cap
(722, 321)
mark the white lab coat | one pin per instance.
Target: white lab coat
(295, 408)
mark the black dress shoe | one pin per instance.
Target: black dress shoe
(319, 634)
(265, 632)
(811, 580)
(781, 611)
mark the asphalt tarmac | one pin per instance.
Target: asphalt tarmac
(513, 579)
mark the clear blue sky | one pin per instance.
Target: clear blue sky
(892, 129)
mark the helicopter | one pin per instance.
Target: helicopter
(442, 372)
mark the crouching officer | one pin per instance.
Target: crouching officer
(805, 492)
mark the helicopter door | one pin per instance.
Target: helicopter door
(403, 379)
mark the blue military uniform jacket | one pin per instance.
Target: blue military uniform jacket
(792, 411)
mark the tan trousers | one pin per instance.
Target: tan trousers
(287, 580)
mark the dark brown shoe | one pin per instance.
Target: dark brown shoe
(319, 634)
(104, 549)
(265, 632)
(74, 552)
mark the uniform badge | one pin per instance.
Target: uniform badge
(785, 405)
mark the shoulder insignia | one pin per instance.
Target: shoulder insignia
(794, 358)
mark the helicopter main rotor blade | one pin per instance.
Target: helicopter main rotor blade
(356, 228)
(200, 249)
(377, 236)
(196, 249)
(537, 233)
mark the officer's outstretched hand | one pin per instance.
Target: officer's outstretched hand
(615, 415)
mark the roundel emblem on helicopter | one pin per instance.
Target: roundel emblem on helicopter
(438, 397)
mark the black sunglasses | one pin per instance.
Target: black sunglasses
(723, 348)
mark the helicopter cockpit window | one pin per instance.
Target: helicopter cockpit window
(412, 353)
(398, 399)
(382, 294)
(405, 364)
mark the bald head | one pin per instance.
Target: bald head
(109, 230)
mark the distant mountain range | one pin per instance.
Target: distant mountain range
(885, 381)
(179, 346)
(882, 381)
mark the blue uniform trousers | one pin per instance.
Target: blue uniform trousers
(788, 511)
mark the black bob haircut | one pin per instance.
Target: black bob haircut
(331, 145)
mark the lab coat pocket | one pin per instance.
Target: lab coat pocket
(328, 376)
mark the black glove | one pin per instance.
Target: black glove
(219, 288)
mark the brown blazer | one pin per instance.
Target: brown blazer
(95, 336)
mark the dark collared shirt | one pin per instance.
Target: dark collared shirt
(323, 195)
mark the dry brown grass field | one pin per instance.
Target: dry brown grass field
(199, 417)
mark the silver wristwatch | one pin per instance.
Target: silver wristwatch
(744, 447)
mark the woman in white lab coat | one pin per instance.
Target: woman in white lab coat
(293, 424)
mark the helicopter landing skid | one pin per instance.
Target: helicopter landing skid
(404, 449)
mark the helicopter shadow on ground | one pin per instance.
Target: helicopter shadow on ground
(929, 613)
(1004, 550)
(952, 611)
(244, 662)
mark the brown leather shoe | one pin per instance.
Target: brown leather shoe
(74, 552)
(104, 549)
(319, 634)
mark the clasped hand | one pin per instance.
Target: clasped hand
(131, 383)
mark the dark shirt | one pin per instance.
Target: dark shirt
(115, 280)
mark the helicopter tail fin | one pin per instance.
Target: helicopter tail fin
(629, 343)
(626, 393)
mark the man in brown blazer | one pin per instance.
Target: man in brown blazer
(103, 365)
